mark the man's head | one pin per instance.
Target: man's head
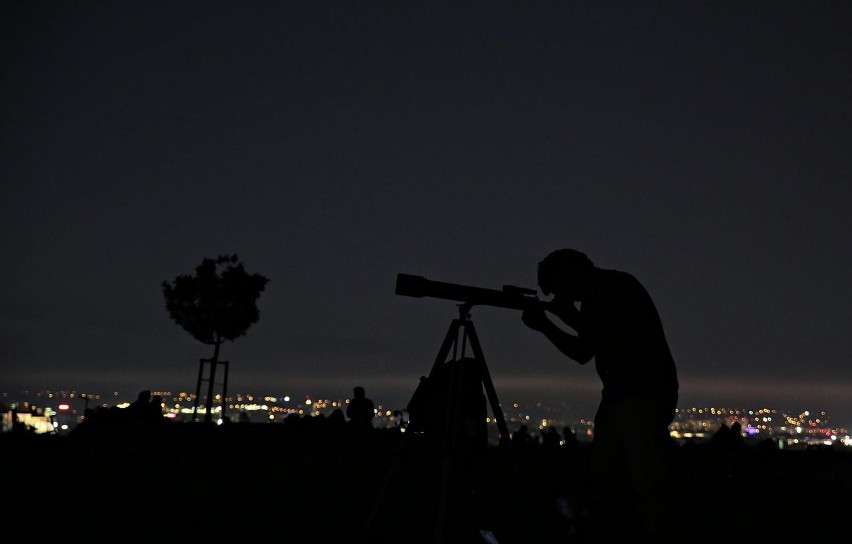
(560, 271)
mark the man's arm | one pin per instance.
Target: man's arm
(570, 345)
(566, 311)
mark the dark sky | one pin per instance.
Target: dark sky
(702, 146)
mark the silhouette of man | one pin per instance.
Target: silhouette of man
(570, 438)
(360, 410)
(550, 437)
(139, 409)
(146, 408)
(522, 436)
(616, 323)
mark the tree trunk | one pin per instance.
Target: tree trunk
(208, 414)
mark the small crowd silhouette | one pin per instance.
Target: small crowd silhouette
(149, 409)
(548, 437)
(146, 409)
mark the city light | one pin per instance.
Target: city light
(795, 429)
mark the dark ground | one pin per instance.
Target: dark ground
(289, 484)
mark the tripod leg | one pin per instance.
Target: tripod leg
(490, 392)
(449, 341)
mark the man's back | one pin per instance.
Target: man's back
(632, 355)
(360, 411)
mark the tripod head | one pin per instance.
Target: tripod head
(512, 297)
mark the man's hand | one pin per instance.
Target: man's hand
(535, 319)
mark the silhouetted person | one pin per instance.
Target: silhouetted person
(522, 436)
(316, 421)
(736, 435)
(336, 420)
(360, 410)
(767, 445)
(550, 437)
(721, 436)
(615, 322)
(141, 402)
(155, 409)
(728, 437)
(145, 409)
(570, 438)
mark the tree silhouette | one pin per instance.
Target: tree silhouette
(217, 303)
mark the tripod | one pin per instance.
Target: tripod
(460, 333)
(446, 446)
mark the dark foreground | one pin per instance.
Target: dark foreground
(247, 481)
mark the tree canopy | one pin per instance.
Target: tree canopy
(218, 302)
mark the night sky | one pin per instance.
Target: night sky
(702, 146)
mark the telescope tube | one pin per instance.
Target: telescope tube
(417, 286)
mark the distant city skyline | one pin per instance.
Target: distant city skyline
(393, 401)
(60, 412)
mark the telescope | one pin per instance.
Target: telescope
(461, 334)
(512, 297)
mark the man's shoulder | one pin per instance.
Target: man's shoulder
(622, 285)
(619, 277)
